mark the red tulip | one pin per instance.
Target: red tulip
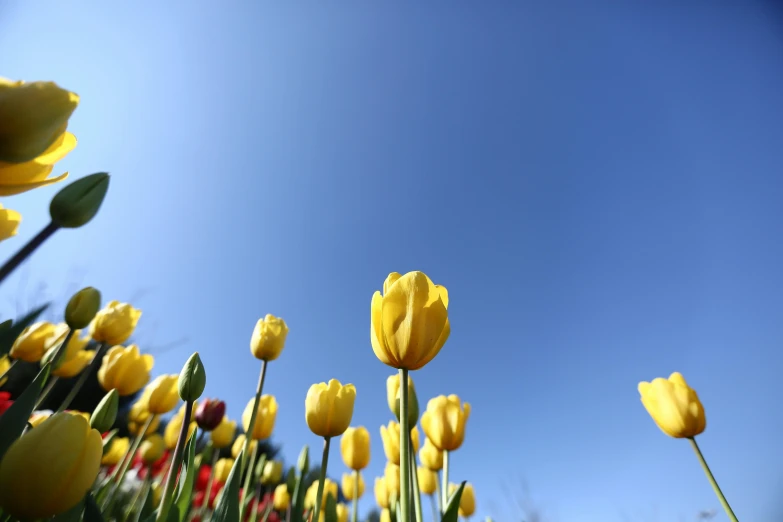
(5, 401)
(209, 414)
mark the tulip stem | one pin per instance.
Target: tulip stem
(444, 490)
(437, 492)
(355, 507)
(405, 448)
(11, 367)
(435, 509)
(713, 482)
(26, 250)
(210, 480)
(125, 464)
(248, 479)
(46, 393)
(252, 424)
(320, 492)
(415, 485)
(167, 498)
(96, 360)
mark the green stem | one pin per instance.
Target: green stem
(405, 449)
(167, 498)
(435, 509)
(437, 491)
(123, 469)
(444, 490)
(138, 494)
(267, 511)
(248, 480)
(254, 511)
(210, 480)
(713, 482)
(355, 507)
(251, 426)
(415, 485)
(26, 250)
(320, 493)
(5, 373)
(46, 393)
(96, 360)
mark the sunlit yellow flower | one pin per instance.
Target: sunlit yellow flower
(467, 502)
(37, 417)
(222, 469)
(410, 321)
(674, 406)
(329, 408)
(152, 448)
(268, 338)
(173, 428)
(115, 323)
(281, 498)
(265, 418)
(390, 436)
(5, 364)
(48, 470)
(444, 422)
(157, 492)
(138, 415)
(82, 414)
(391, 474)
(428, 480)
(9, 222)
(223, 435)
(430, 456)
(393, 398)
(125, 369)
(381, 493)
(385, 515)
(162, 394)
(236, 448)
(348, 482)
(330, 488)
(342, 512)
(272, 472)
(116, 451)
(30, 346)
(75, 358)
(355, 447)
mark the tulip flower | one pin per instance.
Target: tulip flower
(239, 443)
(410, 322)
(266, 414)
(467, 502)
(393, 398)
(82, 308)
(329, 408)
(381, 493)
(390, 436)
(273, 471)
(125, 370)
(9, 222)
(311, 496)
(430, 456)
(138, 416)
(173, 428)
(223, 435)
(268, 338)
(31, 344)
(48, 470)
(5, 365)
(428, 480)
(75, 358)
(5, 401)
(444, 422)
(385, 515)
(391, 474)
(152, 449)
(353, 485)
(222, 469)
(161, 394)
(342, 512)
(117, 450)
(210, 413)
(355, 447)
(281, 498)
(37, 417)
(115, 323)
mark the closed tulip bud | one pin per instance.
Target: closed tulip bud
(330, 488)
(236, 448)
(114, 323)
(281, 498)
(410, 321)
(265, 417)
(273, 472)
(222, 469)
(329, 408)
(430, 456)
(390, 436)
(151, 450)
(161, 394)
(355, 447)
(349, 482)
(192, 379)
(82, 307)
(173, 429)
(444, 422)
(393, 397)
(342, 512)
(381, 493)
(467, 502)
(428, 480)
(102, 419)
(48, 470)
(223, 435)
(115, 451)
(391, 474)
(76, 204)
(303, 462)
(31, 344)
(385, 515)
(210, 413)
(268, 338)
(125, 370)
(138, 415)
(74, 359)
(32, 118)
(674, 406)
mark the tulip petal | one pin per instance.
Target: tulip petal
(376, 330)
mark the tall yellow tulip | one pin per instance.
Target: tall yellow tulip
(31, 344)
(222, 469)
(115, 323)
(329, 408)
(674, 406)
(385, 515)
(355, 447)
(444, 422)
(173, 428)
(342, 512)
(467, 502)
(393, 398)
(151, 450)
(125, 370)
(75, 358)
(239, 443)
(381, 493)
(330, 488)
(138, 415)
(119, 446)
(428, 480)
(430, 456)
(223, 435)
(410, 321)
(265, 417)
(281, 498)
(272, 472)
(9, 222)
(391, 474)
(351, 480)
(390, 436)
(48, 470)
(268, 338)
(162, 394)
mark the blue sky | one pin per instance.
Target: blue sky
(599, 189)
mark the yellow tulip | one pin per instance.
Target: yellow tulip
(157, 493)
(119, 446)
(272, 472)
(125, 369)
(430, 456)
(152, 448)
(281, 498)
(467, 502)
(381, 493)
(268, 338)
(391, 474)
(48, 470)
(173, 428)
(393, 398)
(16, 178)
(239, 444)
(115, 323)
(9, 222)
(75, 358)
(37, 417)
(410, 321)
(348, 482)
(342, 512)
(33, 118)
(30, 346)
(329, 408)
(428, 480)
(265, 417)
(330, 488)
(223, 435)
(355, 447)
(83, 414)
(5, 364)
(390, 436)
(674, 406)
(222, 469)
(444, 422)
(162, 394)
(138, 415)
(385, 515)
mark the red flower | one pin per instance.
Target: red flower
(158, 466)
(209, 413)
(5, 401)
(203, 477)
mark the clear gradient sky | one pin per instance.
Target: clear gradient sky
(600, 189)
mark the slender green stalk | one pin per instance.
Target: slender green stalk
(355, 507)
(320, 493)
(713, 482)
(288, 513)
(251, 426)
(167, 498)
(267, 511)
(96, 361)
(125, 464)
(8, 371)
(435, 509)
(437, 492)
(26, 250)
(248, 481)
(405, 449)
(137, 496)
(210, 480)
(254, 511)
(444, 490)
(46, 393)
(415, 485)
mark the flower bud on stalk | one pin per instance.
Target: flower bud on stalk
(210, 413)
(82, 307)
(192, 379)
(76, 204)
(102, 419)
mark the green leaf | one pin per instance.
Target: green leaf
(330, 513)
(290, 480)
(147, 507)
(9, 332)
(72, 515)
(145, 499)
(259, 470)
(173, 514)
(227, 509)
(451, 514)
(185, 492)
(14, 420)
(92, 513)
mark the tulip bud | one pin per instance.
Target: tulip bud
(393, 397)
(272, 472)
(303, 464)
(192, 379)
(102, 419)
(82, 307)
(210, 413)
(76, 204)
